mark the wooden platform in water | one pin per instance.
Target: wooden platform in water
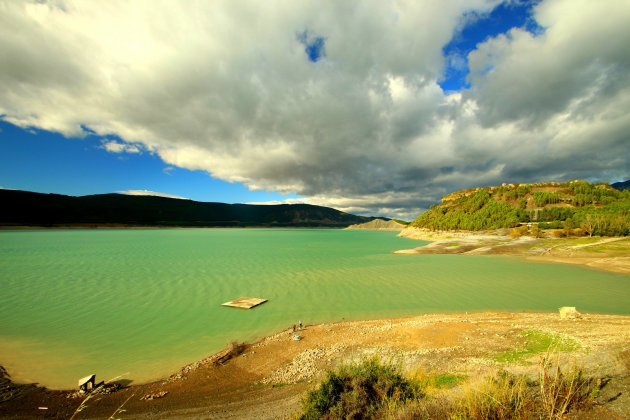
(244, 302)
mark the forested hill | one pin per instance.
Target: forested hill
(35, 209)
(594, 208)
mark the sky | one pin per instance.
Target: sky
(373, 107)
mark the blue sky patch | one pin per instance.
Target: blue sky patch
(83, 166)
(313, 45)
(502, 18)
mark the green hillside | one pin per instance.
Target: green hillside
(595, 209)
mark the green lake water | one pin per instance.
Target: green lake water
(145, 302)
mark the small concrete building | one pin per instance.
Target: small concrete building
(88, 383)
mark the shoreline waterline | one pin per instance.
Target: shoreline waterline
(430, 317)
(268, 378)
(103, 301)
(160, 373)
(593, 252)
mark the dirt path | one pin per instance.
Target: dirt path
(269, 378)
(603, 241)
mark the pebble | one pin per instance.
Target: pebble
(303, 365)
(154, 395)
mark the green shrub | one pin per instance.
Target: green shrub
(360, 391)
(371, 390)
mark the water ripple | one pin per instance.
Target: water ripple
(148, 301)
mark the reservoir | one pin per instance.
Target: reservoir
(144, 302)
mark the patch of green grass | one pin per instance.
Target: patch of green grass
(537, 342)
(447, 380)
(453, 244)
(622, 245)
(582, 241)
(280, 385)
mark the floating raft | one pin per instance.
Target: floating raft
(244, 302)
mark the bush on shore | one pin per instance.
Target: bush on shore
(361, 391)
(372, 390)
(517, 232)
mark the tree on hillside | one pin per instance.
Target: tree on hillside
(589, 224)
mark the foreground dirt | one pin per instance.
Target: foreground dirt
(269, 378)
(608, 254)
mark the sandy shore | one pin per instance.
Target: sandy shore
(608, 254)
(267, 379)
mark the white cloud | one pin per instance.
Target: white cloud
(153, 193)
(392, 205)
(227, 87)
(113, 146)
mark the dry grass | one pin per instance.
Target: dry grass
(624, 358)
(502, 397)
(560, 391)
(120, 409)
(558, 233)
(94, 392)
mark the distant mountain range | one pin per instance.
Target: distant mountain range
(624, 185)
(24, 208)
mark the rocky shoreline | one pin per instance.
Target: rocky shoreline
(607, 254)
